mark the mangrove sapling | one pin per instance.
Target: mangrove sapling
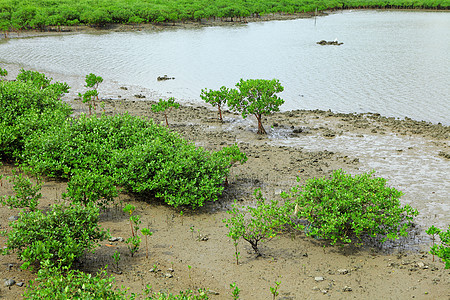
(216, 98)
(92, 82)
(146, 232)
(27, 193)
(135, 240)
(116, 257)
(442, 250)
(433, 231)
(259, 223)
(165, 106)
(88, 97)
(257, 97)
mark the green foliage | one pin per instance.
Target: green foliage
(216, 98)
(27, 194)
(345, 208)
(165, 106)
(183, 295)
(140, 156)
(146, 232)
(441, 250)
(257, 97)
(235, 290)
(274, 290)
(3, 72)
(57, 237)
(89, 187)
(27, 108)
(63, 283)
(24, 14)
(259, 223)
(135, 240)
(92, 81)
(116, 257)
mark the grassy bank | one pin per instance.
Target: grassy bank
(40, 14)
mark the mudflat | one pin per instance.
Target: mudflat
(307, 268)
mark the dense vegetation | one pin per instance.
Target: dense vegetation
(38, 14)
(101, 153)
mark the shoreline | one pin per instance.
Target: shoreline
(405, 269)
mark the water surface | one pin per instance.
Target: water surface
(396, 63)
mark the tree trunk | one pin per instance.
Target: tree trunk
(167, 122)
(220, 113)
(261, 129)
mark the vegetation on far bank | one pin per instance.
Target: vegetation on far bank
(39, 14)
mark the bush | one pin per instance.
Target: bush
(60, 236)
(62, 283)
(140, 156)
(344, 208)
(441, 250)
(89, 187)
(27, 109)
(27, 194)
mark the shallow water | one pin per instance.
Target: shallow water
(396, 63)
(410, 164)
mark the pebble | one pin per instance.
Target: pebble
(347, 289)
(20, 284)
(116, 239)
(342, 271)
(170, 270)
(10, 282)
(319, 278)
(13, 218)
(213, 292)
(168, 275)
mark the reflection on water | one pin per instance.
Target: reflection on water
(392, 62)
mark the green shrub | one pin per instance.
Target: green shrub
(59, 236)
(441, 250)
(255, 224)
(345, 208)
(183, 295)
(62, 283)
(216, 98)
(89, 187)
(27, 109)
(27, 194)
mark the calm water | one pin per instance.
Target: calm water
(394, 63)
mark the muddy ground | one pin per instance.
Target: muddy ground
(307, 268)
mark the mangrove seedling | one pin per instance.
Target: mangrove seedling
(116, 257)
(433, 231)
(235, 290)
(442, 250)
(274, 290)
(146, 232)
(165, 106)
